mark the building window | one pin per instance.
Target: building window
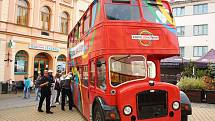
(45, 18)
(182, 51)
(22, 12)
(64, 20)
(179, 11)
(199, 51)
(200, 30)
(200, 9)
(180, 30)
(21, 62)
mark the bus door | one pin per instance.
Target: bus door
(91, 93)
(85, 91)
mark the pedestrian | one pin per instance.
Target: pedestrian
(37, 86)
(27, 86)
(45, 86)
(57, 86)
(53, 91)
(14, 87)
(66, 91)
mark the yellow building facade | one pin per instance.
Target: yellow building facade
(33, 35)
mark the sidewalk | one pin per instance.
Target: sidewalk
(15, 107)
(202, 112)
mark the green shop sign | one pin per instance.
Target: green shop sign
(43, 47)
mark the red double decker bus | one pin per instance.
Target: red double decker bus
(114, 54)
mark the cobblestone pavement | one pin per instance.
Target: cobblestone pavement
(203, 112)
(19, 109)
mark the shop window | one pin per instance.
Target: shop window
(21, 62)
(92, 73)
(45, 18)
(101, 70)
(64, 20)
(22, 12)
(61, 63)
(85, 76)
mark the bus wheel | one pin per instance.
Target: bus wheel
(97, 113)
(184, 118)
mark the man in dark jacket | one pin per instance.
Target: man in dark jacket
(45, 85)
(66, 91)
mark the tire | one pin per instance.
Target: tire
(184, 118)
(98, 114)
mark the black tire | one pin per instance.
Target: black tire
(98, 114)
(184, 118)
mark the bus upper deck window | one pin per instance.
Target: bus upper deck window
(122, 11)
(121, 1)
(157, 12)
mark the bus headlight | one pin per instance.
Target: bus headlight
(127, 110)
(175, 105)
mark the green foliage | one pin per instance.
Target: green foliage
(190, 83)
(211, 70)
(200, 73)
(188, 70)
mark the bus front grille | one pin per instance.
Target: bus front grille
(152, 104)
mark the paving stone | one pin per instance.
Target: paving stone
(18, 109)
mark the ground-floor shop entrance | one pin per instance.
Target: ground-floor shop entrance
(42, 61)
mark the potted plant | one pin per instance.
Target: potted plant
(210, 89)
(192, 87)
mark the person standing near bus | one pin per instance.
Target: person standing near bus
(66, 91)
(53, 91)
(57, 86)
(45, 85)
(37, 86)
(27, 85)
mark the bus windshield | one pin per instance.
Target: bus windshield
(124, 68)
(122, 12)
